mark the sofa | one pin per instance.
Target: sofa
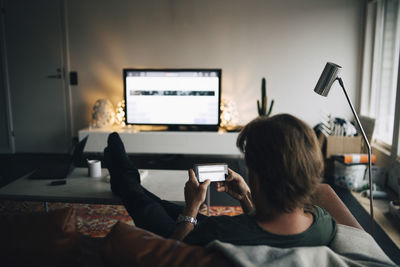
(51, 239)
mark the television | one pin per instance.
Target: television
(182, 99)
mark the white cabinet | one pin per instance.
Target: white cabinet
(165, 142)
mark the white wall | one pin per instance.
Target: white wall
(287, 41)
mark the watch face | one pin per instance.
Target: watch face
(182, 218)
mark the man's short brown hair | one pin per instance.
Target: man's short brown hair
(283, 154)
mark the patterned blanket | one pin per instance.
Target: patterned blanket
(93, 219)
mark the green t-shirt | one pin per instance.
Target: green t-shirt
(243, 230)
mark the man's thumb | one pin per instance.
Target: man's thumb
(206, 184)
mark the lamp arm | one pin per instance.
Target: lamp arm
(371, 207)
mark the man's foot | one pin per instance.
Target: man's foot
(123, 173)
(117, 151)
(115, 172)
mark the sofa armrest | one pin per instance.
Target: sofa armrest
(353, 241)
(39, 239)
(131, 246)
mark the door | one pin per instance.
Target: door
(39, 103)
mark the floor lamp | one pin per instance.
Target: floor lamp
(328, 77)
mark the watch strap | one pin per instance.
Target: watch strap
(189, 219)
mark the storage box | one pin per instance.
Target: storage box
(342, 144)
(349, 176)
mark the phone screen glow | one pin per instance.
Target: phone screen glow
(215, 173)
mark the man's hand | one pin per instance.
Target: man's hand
(234, 185)
(195, 194)
(237, 187)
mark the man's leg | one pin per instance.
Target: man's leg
(147, 210)
(172, 209)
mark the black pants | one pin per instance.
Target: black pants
(149, 211)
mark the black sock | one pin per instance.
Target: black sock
(117, 149)
(124, 175)
(115, 173)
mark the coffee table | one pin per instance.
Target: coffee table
(80, 188)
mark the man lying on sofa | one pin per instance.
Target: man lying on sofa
(284, 204)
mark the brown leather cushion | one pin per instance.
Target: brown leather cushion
(39, 239)
(127, 245)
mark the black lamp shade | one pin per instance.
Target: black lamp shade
(327, 78)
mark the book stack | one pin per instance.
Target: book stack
(354, 158)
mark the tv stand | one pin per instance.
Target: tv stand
(164, 142)
(190, 128)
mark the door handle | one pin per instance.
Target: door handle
(55, 76)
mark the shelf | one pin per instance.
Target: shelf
(165, 142)
(382, 215)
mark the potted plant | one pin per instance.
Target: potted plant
(262, 107)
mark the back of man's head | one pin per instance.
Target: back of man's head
(283, 155)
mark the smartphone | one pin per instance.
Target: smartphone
(215, 172)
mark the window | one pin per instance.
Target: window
(380, 68)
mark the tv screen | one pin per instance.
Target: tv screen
(173, 97)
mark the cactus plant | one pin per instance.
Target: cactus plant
(262, 108)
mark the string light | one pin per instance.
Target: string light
(103, 114)
(229, 113)
(120, 114)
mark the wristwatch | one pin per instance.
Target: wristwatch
(183, 218)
